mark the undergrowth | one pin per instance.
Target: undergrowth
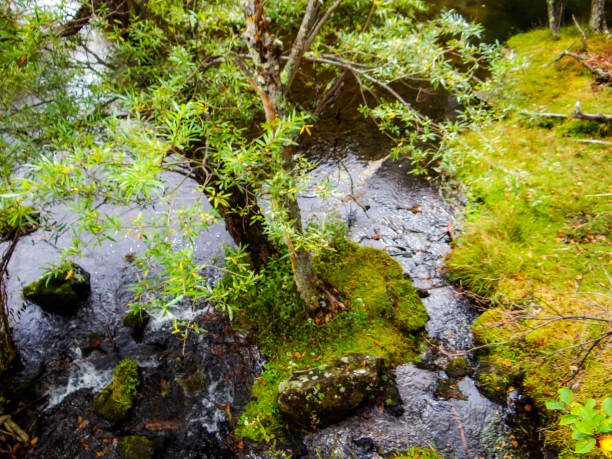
(384, 316)
(537, 239)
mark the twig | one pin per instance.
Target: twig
(584, 37)
(461, 431)
(597, 142)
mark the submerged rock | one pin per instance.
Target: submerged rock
(136, 447)
(62, 290)
(321, 396)
(118, 397)
(457, 368)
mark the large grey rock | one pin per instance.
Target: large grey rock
(321, 396)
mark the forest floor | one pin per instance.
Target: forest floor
(537, 243)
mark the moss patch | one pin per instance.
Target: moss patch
(418, 453)
(119, 396)
(136, 447)
(539, 230)
(375, 323)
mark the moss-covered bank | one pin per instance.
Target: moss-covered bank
(537, 241)
(384, 317)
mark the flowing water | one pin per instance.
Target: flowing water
(72, 357)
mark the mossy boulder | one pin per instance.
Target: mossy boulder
(119, 396)
(62, 290)
(136, 447)
(457, 367)
(136, 319)
(321, 396)
(493, 381)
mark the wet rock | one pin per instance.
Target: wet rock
(493, 382)
(324, 395)
(118, 397)
(61, 291)
(136, 447)
(447, 388)
(457, 368)
(137, 320)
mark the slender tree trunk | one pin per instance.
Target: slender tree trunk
(555, 15)
(8, 352)
(242, 216)
(598, 17)
(244, 222)
(265, 52)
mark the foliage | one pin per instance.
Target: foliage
(291, 340)
(536, 240)
(590, 427)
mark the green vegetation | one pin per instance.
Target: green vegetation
(538, 237)
(374, 322)
(418, 453)
(119, 396)
(591, 428)
(136, 447)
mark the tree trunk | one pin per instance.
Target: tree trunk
(265, 52)
(242, 216)
(8, 352)
(598, 17)
(555, 15)
(244, 221)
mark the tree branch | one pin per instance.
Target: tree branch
(299, 46)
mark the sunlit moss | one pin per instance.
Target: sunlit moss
(539, 230)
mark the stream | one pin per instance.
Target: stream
(71, 358)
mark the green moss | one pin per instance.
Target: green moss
(119, 396)
(376, 322)
(538, 229)
(193, 383)
(136, 447)
(418, 453)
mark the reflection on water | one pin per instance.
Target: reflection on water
(503, 18)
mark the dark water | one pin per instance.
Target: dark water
(503, 18)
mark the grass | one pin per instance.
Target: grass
(384, 317)
(537, 242)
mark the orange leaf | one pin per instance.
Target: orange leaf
(297, 355)
(318, 357)
(83, 424)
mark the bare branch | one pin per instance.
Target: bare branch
(299, 45)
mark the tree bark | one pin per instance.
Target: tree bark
(8, 352)
(598, 17)
(265, 52)
(555, 15)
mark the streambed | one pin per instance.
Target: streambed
(72, 357)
